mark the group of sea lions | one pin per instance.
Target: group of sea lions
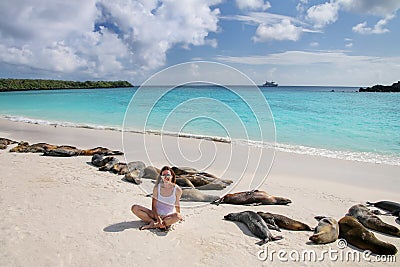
(55, 150)
(188, 178)
(352, 227)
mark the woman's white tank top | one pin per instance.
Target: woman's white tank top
(166, 205)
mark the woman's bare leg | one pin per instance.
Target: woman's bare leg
(143, 213)
(171, 219)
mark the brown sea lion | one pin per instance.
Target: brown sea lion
(110, 162)
(371, 221)
(24, 147)
(132, 177)
(255, 223)
(4, 142)
(252, 197)
(357, 235)
(327, 230)
(100, 150)
(285, 222)
(62, 151)
(201, 179)
(151, 172)
(184, 182)
(194, 195)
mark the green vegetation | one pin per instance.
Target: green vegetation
(35, 84)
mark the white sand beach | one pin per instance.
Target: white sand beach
(64, 212)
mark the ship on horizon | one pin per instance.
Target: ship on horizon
(269, 84)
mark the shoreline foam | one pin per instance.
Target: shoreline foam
(367, 157)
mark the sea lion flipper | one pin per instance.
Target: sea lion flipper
(369, 203)
(275, 238)
(217, 201)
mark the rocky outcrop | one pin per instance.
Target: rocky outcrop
(382, 88)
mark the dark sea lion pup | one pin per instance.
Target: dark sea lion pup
(371, 221)
(252, 197)
(255, 223)
(357, 235)
(393, 208)
(327, 230)
(285, 222)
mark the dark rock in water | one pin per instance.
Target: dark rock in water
(395, 87)
(4, 142)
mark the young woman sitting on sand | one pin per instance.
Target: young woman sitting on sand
(165, 207)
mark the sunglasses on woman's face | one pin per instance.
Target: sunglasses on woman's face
(166, 176)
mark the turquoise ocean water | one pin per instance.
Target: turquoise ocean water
(335, 122)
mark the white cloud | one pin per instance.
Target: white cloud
(371, 7)
(283, 30)
(323, 14)
(129, 37)
(253, 4)
(379, 27)
(349, 45)
(314, 44)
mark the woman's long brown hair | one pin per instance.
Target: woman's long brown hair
(173, 180)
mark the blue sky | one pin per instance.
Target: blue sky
(293, 42)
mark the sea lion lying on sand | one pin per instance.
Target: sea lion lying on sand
(252, 197)
(189, 177)
(196, 196)
(392, 208)
(357, 235)
(371, 221)
(285, 222)
(4, 142)
(61, 151)
(255, 223)
(327, 230)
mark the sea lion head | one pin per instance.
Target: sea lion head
(230, 216)
(282, 201)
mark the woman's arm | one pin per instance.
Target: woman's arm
(178, 198)
(154, 205)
